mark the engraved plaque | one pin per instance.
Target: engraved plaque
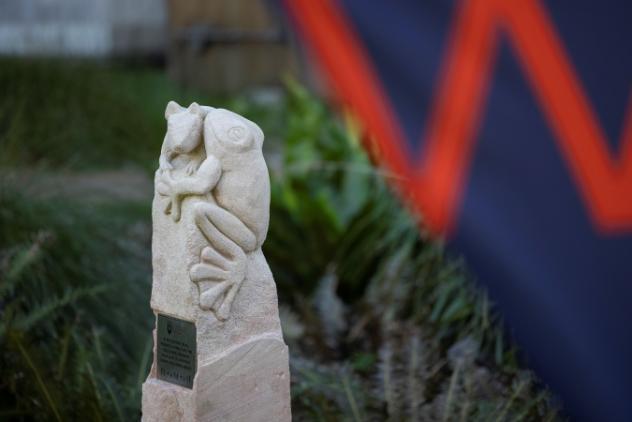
(176, 350)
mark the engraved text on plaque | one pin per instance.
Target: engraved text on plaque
(176, 351)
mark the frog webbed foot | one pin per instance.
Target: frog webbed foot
(219, 279)
(209, 299)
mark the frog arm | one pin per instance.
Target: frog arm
(202, 182)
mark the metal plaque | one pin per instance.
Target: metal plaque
(176, 350)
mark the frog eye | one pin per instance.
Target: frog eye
(236, 133)
(239, 136)
(231, 130)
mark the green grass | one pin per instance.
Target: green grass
(80, 115)
(381, 324)
(74, 325)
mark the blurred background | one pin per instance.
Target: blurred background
(382, 324)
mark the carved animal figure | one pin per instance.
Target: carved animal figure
(236, 224)
(184, 132)
(182, 140)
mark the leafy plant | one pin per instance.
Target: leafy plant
(74, 321)
(80, 115)
(368, 286)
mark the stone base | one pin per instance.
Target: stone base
(163, 401)
(248, 383)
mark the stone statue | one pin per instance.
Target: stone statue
(211, 215)
(235, 219)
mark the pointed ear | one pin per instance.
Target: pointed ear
(172, 107)
(195, 108)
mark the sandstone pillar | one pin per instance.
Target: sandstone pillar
(219, 353)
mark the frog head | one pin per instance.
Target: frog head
(228, 133)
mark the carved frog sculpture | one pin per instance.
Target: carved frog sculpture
(233, 170)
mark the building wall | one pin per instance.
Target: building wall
(82, 27)
(259, 55)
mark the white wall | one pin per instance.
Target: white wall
(82, 27)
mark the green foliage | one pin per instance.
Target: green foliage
(393, 328)
(74, 320)
(79, 115)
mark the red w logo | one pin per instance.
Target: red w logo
(604, 180)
